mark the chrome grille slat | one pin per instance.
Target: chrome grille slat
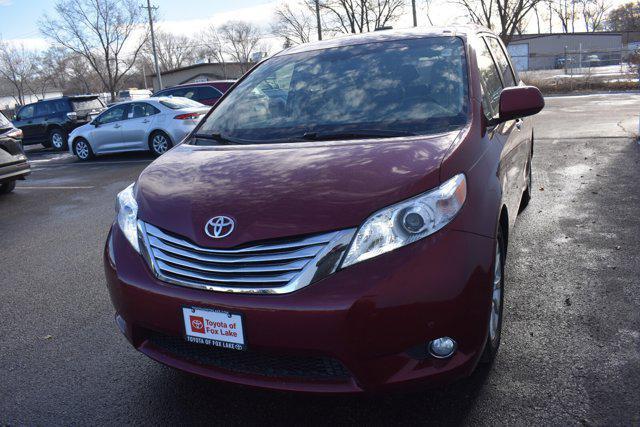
(215, 268)
(280, 278)
(275, 267)
(308, 252)
(318, 240)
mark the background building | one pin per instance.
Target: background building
(200, 73)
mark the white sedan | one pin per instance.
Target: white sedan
(154, 124)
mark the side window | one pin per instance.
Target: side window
(142, 109)
(501, 60)
(61, 106)
(113, 114)
(44, 108)
(489, 79)
(205, 93)
(185, 92)
(26, 112)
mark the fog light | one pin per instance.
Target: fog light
(442, 348)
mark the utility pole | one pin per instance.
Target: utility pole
(415, 17)
(318, 19)
(153, 42)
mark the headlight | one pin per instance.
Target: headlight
(408, 221)
(127, 211)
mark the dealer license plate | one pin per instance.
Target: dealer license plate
(213, 327)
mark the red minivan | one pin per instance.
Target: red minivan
(338, 222)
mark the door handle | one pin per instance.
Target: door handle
(116, 126)
(145, 121)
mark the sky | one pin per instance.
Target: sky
(19, 18)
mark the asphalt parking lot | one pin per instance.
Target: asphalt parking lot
(571, 345)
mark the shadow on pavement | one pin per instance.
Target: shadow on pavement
(195, 400)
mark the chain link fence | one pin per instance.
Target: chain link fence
(579, 70)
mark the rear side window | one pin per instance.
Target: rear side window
(44, 108)
(489, 79)
(502, 62)
(207, 93)
(87, 104)
(142, 109)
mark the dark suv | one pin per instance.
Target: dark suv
(13, 162)
(206, 93)
(50, 121)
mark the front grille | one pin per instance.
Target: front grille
(262, 266)
(253, 362)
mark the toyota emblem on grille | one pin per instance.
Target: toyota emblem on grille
(219, 227)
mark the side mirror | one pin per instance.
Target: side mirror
(95, 123)
(14, 118)
(520, 101)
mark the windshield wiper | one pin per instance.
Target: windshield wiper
(217, 137)
(355, 134)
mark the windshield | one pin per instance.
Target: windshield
(4, 122)
(87, 104)
(177, 103)
(416, 86)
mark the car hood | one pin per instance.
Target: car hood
(283, 190)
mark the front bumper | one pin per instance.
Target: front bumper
(17, 169)
(373, 319)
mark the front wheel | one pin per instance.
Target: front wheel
(497, 302)
(159, 143)
(57, 139)
(7, 187)
(82, 149)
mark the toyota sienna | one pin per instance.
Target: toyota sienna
(338, 222)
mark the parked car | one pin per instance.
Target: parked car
(561, 61)
(592, 61)
(154, 124)
(351, 238)
(133, 94)
(206, 93)
(13, 162)
(49, 121)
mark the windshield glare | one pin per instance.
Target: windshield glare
(416, 86)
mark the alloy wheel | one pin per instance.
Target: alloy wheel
(160, 144)
(56, 140)
(82, 149)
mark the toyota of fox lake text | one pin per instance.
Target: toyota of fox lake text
(338, 222)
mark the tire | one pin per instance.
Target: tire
(7, 187)
(82, 149)
(58, 139)
(526, 196)
(497, 303)
(159, 143)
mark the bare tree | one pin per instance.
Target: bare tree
(625, 17)
(240, 40)
(174, 51)
(294, 24)
(105, 32)
(427, 10)
(505, 17)
(564, 10)
(17, 68)
(359, 16)
(593, 12)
